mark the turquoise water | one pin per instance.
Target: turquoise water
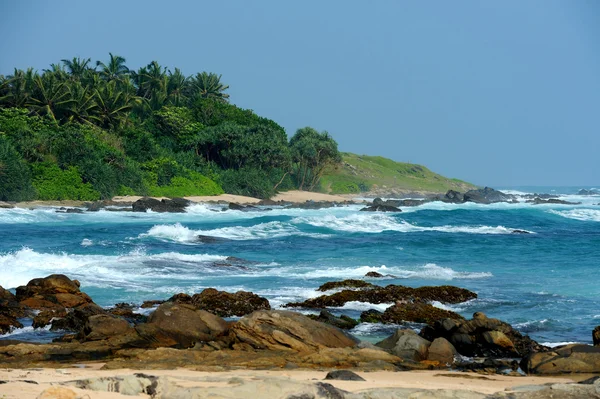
(544, 283)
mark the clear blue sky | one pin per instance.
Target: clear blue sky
(498, 93)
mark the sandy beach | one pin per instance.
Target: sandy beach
(240, 383)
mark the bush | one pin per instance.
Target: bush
(53, 183)
(195, 184)
(15, 178)
(344, 188)
(249, 182)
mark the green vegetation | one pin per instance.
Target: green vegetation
(82, 130)
(362, 173)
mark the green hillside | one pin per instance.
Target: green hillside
(379, 175)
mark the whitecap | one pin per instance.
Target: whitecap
(592, 215)
(86, 242)
(555, 344)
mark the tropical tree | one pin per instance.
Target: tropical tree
(208, 85)
(177, 84)
(312, 152)
(77, 67)
(51, 95)
(115, 69)
(114, 105)
(17, 88)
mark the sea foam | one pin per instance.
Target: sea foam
(586, 215)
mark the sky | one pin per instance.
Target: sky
(503, 93)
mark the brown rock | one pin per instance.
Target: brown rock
(103, 326)
(7, 323)
(596, 336)
(574, 358)
(9, 305)
(45, 317)
(181, 326)
(406, 344)
(225, 304)
(442, 351)
(282, 330)
(76, 318)
(350, 283)
(53, 292)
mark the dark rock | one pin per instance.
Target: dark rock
(412, 202)
(390, 293)
(589, 381)
(53, 292)
(181, 298)
(453, 197)
(269, 202)
(8, 323)
(350, 283)
(419, 312)
(151, 304)
(543, 196)
(374, 274)
(344, 322)
(125, 311)
(487, 195)
(226, 304)
(314, 205)
(406, 344)
(517, 231)
(238, 207)
(488, 366)
(9, 305)
(583, 191)
(596, 336)
(45, 317)
(76, 319)
(176, 205)
(371, 316)
(68, 210)
(180, 326)
(282, 330)
(575, 358)
(343, 375)
(95, 206)
(381, 208)
(482, 336)
(211, 239)
(539, 201)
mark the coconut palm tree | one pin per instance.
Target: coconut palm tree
(208, 85)
(51, 95)
(177, 85)
(115, 69)
(77, 67)
(114, 105)
(17, 88)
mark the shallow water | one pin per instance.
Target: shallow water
(544, 283)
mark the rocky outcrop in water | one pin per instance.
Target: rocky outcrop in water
(10, 310)
(176, 205)
(418, 312)
(540, 201)
(343, 322)
(349, 283)
(584, 191)
(224, 304)
(389, 294)
(487, 195)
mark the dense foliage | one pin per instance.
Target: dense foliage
(83, 130)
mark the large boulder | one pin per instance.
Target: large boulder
(344, 322)
(283, 330)
(53, 292)
(180, 325)
(406, 344)
(482, 336)
(487, 195)
(441, 350)
(104, 326)
(574, 358)
(419, 312)
(453, 197)
(381, 208)
(176, 205)
(9, 306)
(389, 294)
(8, 323)
(226, 304)
(76, 318)
(596, 336)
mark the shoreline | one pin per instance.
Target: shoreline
(241, 382)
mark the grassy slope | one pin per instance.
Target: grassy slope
(381, 175)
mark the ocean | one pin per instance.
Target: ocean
(545, 283)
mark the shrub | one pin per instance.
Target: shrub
(342, 187)
(15, 178)
(249, 182)
(179, 186)
(53, 183)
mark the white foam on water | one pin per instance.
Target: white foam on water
(435, 272)
(127, 270)
(173, 232)
(555, 344)
(362, 306)
(586, 215)
(378, 223)
(24, 330)
(86, 242)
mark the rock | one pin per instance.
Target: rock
(6, 205)
(374, 275)
(482, 337)
(45, 317)
(488, 366)
(419, 312)
(441, 351)
(539, 201)
(57, 392)
(244, 208)
(344, 322)
(583, 191)
(151, 304)
(9, 306)
(575, 358)
(226, 304)
(283, 330)
(517, 231)
(596, 336)
(350, 283)
(103, 326)
(389, 294)
(176, 205)
(180, 326)
(211, 239)
(8, 323)
(381, 208)
(453, 197)
(487, 195)
(125, 311)
(371, 316)
(406, 344)
(314, 205)
(76, 318)
(343, 375)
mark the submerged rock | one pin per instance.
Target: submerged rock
(176, 205)
(419, 312)
(226, 304)
(381, 208)
(539, 201)
(350, 283)
(583, 191)
(211, 239)
(344, 322)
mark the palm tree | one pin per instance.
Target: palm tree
(208, 85)
(177, 85)
(77, 67)
(114, 70)
(51, 95)
(83, 107)
(114, 104)
(18, 88)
